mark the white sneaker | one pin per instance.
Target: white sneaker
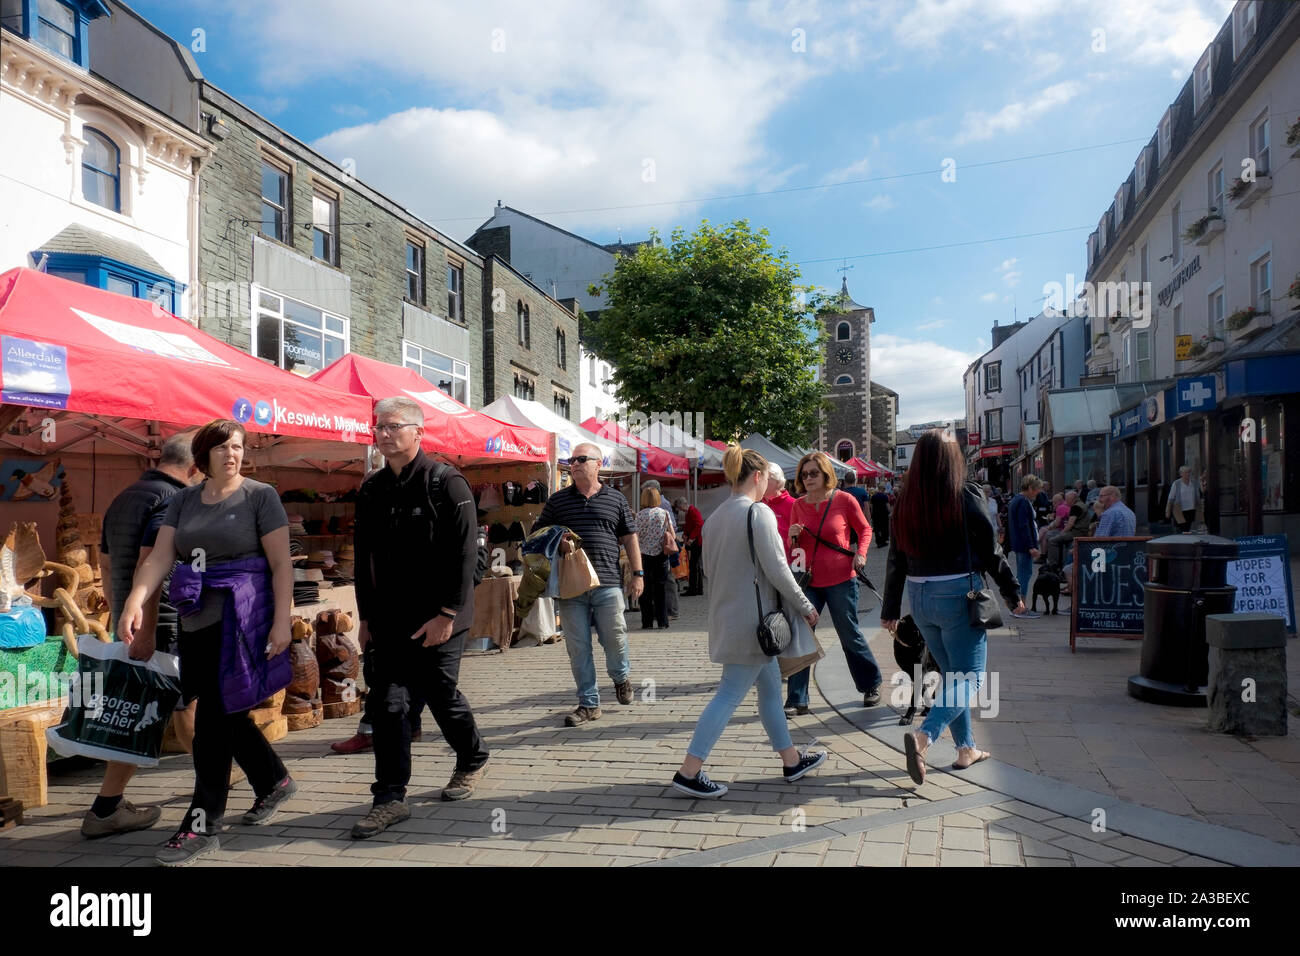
(1027, 613)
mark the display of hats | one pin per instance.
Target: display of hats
(498, 533)
(516, 532)
(297, 553)
(296, 525)
(322, 558)
(306, 594)
(347, 553)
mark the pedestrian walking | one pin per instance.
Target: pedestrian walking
(1185, 500)
(651, 526)
(737, 571)
(943, 544)
(416, 541)
(131, 526)
(601, 518)
(671, 599)
(692, 529)
(820, 525)
(1022, 534)
(880, 517)
(233, 589)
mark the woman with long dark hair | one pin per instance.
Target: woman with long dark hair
(939, 519)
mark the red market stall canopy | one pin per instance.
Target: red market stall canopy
(651, 461)
(71, 347)
(866, 469)
(450, 429)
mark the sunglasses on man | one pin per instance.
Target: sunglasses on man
(582, 459)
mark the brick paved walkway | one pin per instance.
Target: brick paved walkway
(597, 795)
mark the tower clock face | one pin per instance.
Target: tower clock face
(844, 355)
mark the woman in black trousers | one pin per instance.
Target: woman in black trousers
(651, 526)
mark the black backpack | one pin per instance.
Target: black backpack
(437, 476)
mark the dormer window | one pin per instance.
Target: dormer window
(1140, 173)
(1166, 136)
(1119, 207)
(60, 26)
(1101, 234)
(1204, 79)
(1243, 26)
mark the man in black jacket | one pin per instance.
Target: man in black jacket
(417, 546)
(130, 531)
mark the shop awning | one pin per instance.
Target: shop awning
(651, 460)
(520, 411)
(672, 439)
(450, 429)
(73, 347)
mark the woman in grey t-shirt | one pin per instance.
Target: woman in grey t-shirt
(228, 518)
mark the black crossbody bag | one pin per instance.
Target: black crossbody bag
(773, 629)
(981, 607)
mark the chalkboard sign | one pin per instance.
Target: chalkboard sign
(1108, 585)
(1262, 574)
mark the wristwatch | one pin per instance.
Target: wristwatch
(447, 614)
(638, 574)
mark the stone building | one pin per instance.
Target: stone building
(884, 424)
(302, 262)
(530, 342)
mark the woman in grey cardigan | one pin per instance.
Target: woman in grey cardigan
(733, 622)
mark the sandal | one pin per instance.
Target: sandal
(980, 756)
(915, 759)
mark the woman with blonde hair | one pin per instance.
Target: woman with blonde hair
(651, 526)
(820, 523)
(745, 563)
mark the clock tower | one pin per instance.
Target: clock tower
(846, 369)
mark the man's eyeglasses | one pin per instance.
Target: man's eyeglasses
(582, 459)
(393, 429)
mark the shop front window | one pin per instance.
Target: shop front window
(1141, 462)
(295, 336)
(1231, 464)
(1271, 457)
(1118, 464)
(1192, 453)
(1092, 465)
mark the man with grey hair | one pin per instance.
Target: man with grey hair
(417, 549)
(1117, 519)
(602, 519)
(130, 530)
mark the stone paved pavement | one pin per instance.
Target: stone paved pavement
(1069, 717)
(597, 795)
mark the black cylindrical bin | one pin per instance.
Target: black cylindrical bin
(1186, 580)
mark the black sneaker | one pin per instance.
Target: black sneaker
(701, 786)
(265, 808)
(623, 690)
(380, 818)
(808, 762)
(798, 711)
(872, 697)
(186, 847)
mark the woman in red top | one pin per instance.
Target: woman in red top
(823, 514)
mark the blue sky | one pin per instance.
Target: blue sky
(611, 118)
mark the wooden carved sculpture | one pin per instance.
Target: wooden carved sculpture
(302, 702)
(340, 665)
(22, 552)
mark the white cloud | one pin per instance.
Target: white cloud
(979, 125)
(989, 297)
(936, 324)
(880, 203)
(856, 170)
(555, 106)
(926, 375)
(1010, 275)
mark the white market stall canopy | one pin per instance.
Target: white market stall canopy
(521, 411)
(672, 439)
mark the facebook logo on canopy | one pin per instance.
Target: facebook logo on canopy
(242, 410)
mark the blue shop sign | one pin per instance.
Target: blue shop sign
(1128, 422)
(1195, 395)
(1264, 375)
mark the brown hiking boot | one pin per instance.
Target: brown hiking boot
(462, 783)
(581, 716)
(624, 691)
(124, 819)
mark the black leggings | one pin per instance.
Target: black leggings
(219, 737)
(654, 599)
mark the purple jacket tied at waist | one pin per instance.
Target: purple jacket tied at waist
(247, 677)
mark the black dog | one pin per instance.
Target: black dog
(910, 653)
(1048, 586)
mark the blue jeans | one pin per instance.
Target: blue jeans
(940, 611)
(737, 679)
(1024, 571)
(842, 600)
(604, 607)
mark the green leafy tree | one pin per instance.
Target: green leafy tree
(715, 322)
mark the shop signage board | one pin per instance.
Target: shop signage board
(1108, 582)
(1199, 394)
(1262, 575)
(1182, 347)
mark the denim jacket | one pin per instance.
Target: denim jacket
(247, 677)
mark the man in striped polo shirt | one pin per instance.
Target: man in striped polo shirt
(601, 517)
